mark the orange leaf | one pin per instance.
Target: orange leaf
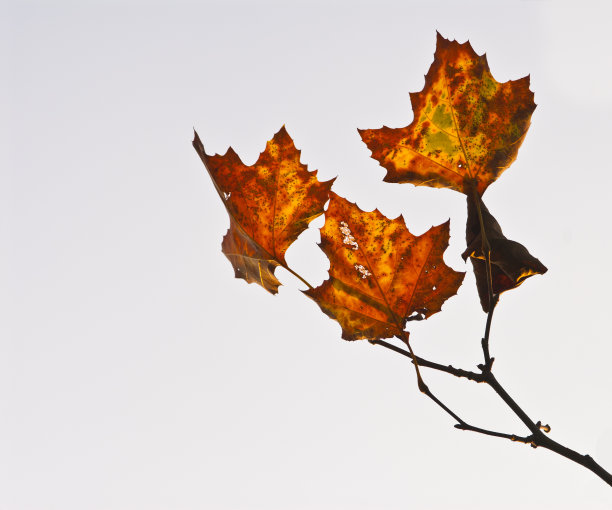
(467, 127)
(270, 204)
(381, 275)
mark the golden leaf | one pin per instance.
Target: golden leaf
(467, 127)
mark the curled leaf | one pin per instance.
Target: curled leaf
(269, 203)
(467, 127)
(511, 263)
(380, 275)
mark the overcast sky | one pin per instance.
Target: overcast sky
(137, 373)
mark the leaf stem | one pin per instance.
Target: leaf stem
(297, 276)
(422, 386)
(492, 299)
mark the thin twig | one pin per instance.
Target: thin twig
(485, 339)
(463, 425)
(449, 369)
(443, 406)
(511, 437)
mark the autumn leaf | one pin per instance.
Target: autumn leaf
(511, 263)
(269, 203)
(467, 127)
(381, 276)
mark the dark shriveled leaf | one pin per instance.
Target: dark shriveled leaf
(269, 203)
(511, 263)
(380, 274)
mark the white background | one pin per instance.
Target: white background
(137, 373)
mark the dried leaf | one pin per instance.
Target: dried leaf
(467, 127)
(511, 263)
(381, 275)
(269, 203)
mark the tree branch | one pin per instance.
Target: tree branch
(535, 439)
(538, 438)
(457, 372)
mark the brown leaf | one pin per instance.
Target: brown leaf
(467, 127)
(381, 275)
(511, 263)
(269, 203)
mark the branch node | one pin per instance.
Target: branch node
(423, 387)
(545, 428)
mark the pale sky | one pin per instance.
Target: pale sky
(137, 373)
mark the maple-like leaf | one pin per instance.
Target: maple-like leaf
(269, 203)
(467, 127)
(511, 263)
(380, 274)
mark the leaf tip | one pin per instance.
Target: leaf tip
(281, 137)
(230, 152)
(329, 183)
(196, 140)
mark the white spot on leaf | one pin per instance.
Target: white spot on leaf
(348, 236)
(363, 271)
